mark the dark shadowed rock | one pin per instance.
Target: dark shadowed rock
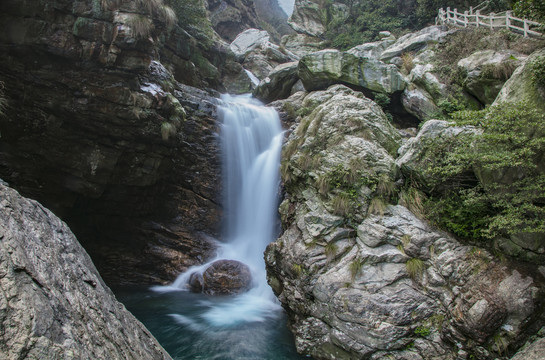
(53, 302)
(105, 136)
(278, 84)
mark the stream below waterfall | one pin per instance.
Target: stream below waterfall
(252, 324)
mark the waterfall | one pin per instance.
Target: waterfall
(252, 77)
(251, 141)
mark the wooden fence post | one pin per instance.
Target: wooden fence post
(491, 21)
(508, 19)
(525, 28)
(448, 14)
(455, 16)
(477, 17)
(465, 19)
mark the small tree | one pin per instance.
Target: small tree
(530, 9)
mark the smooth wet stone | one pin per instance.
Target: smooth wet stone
(222, 277)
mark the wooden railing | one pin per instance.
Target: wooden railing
(473, 17)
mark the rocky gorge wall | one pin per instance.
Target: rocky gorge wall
(110, 122)
(362, 276)
(101, 132)
(358, 267)
(60, 311)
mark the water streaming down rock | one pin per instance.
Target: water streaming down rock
(252, 77)
(251, 138)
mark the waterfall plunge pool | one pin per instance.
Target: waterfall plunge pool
(251, 325)
(177, 321)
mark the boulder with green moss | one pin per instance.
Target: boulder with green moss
(487, 71)
(415, 41)
(526, 83)
(323, 68)
(302, 44)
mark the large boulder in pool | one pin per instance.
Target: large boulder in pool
(222, 277)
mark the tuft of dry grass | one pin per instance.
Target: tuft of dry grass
(413, 200)
(323, 184)
(330, 250)
(355, 267)
(415, 268)
(341, 204)
(407, 64)
(377, 206)
(141, 26)
(168, 16)
(385, 186)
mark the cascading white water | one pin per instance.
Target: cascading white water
(252, 77)
(251, 138)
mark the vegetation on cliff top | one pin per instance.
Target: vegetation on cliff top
(508, 196)
(362, 20)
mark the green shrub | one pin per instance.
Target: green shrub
(531, 9)
(459, 212)
(510, 197)
(382, 100)
(450, 106)
(537, 69)
(422, 331)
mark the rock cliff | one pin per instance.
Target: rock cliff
(63, 310)
(359, 272)
(106, 137)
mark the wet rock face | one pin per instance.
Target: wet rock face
(107, 139)
(222, 277)
(53, 302)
